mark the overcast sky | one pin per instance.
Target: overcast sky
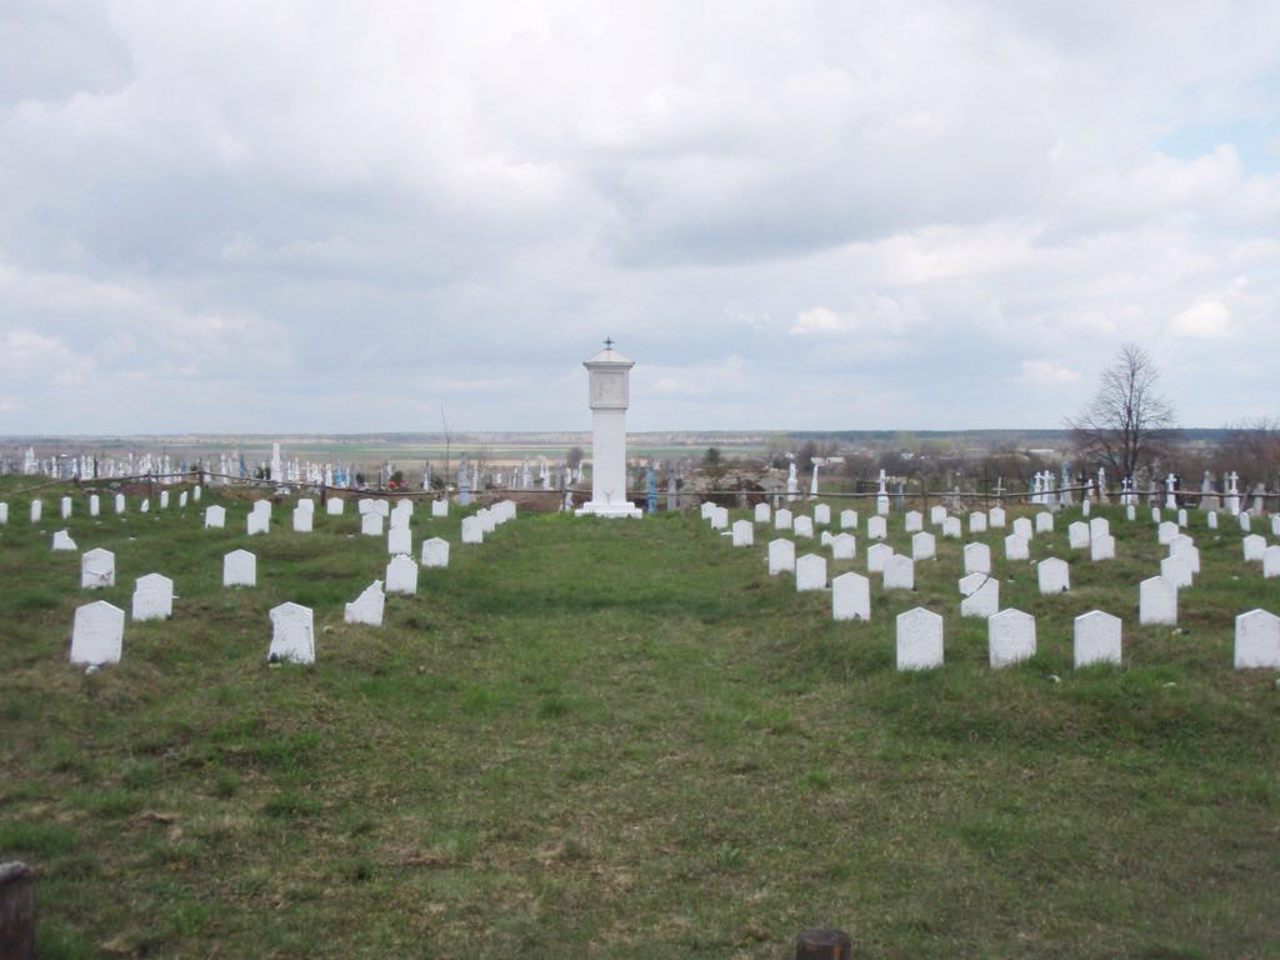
(263, 216)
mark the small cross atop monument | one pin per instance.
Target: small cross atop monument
(608, 343)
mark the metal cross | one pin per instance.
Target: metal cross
(608, 343)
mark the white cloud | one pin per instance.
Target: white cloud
(1206, 320)
(1044, 372)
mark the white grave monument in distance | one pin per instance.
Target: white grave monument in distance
(1257, 641)
(368, 607)
(1096, 639)
(153, 597)
(239, 569)
(851, 597)
(608, 375)
(97, 636)
(743, 533)
(435, 552)
(293, 638)
(215, 517)
(919, 640)
(811, 572)
(782, 556)
(62, 541)
(1011, 637)
(97, 569)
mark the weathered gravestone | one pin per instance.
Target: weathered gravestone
(97, 569)
(1011, 637)
(1155, 515)
(472, 530)
(259, 520)
(1182, 518)
(1022, 528)
(120, 503)
(851, 597)
(912, 521)
(983, 600)
(37, 508)
(215, 518)
(1254, 546)
(152, 597)
(918, 640)
(844, 546)
(1177, 571)
(4, 514)
(977, 558)
(978, 522)
(1044, 522)
(1016, 547)
(1246, 522)
(302, 520)
(762, 513)
(368, 607)
(1211, 520)
(719, 517)
(144, 506)
(899, 573)
(1166, 532)
(399, 540)
(744, 533)
(1102, 548)
(66, 508)
(334, 506)
(371, 524)
(937, 515)
(97, 635)
(1185, 548)
(1053, 575)
(164, 499)
(62, 541)
(239, 569)
(435, 552)
(802, 527)
(1157, 602)
(877, 528)
(849, 520)
(1099, 527)
(924, 545)
(878, 555)
(95, 505)
(811, 572)
(1271, 562)
(822, 515)
(439, 508)
(1078, 535)
(782, 519)
(182, 499)
(782, 556)
(402, 575)
(1131, 513)
(1096, 639)
(293, 638)
(951, 528)
(996, 518)
(1257, 645)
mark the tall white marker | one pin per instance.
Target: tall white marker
(609, 372)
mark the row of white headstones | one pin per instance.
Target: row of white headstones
(1011, 632)
(97, 634)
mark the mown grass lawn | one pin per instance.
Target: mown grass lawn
(624, 739)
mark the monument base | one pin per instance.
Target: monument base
(610, 510)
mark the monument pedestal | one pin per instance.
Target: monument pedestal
(609, 395)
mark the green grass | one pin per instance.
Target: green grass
(626, 740)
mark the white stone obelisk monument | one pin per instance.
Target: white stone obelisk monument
(609, 371)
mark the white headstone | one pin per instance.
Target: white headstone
(1099, 527)
(62, 541)
(878, 555)
(1096, 639)
(1275, 524)
(66, 508)
(1177, 571)
(978, 522)
(402, 575)
(1102, 548)
(120, 503)
(1246, 522)
(368, 607)
(1078, 535)
(371, 524)
(197, 492)
(1185, 548)
(1155, 514)
(4, 514)
(977, 558)
(399, 540)
(257, 522)
(164, 499)
(37, 508)
(382, 507)
(95, 505)
(877, 528)
(707, 509)
(1157, 602)
(334, 506)
(399, 520)
(1016, 547)
(822, 515)
(919, 640)
(849, 520)
(811, 572)
(1255, 545)
(1131, 512)
(900, 573)
(763, 513)
(1166, 532)
(1011, 637)
(844, 546)
(182, 499)
(1211, 520)
(472, 530)
(744, 533)
(1022, 528)
(1044, 522)
(97, 569)
(971, 582)
(912, 521)
(152, 598)
(951, 528)
(1086, 508)
(782, 556)
(851, 597)
(983, 601)
(1257, 641)
(924, 545)
(439, 508)
(144, 506)
(937, 515)
(1271, 562)
(435, 552)
(215, 517)
(302, 520)
(996, 518)
(1054, 575)
(97, 635)
(802, 526)
(782, 519)
(239, 569)
(1182, 518)
(293, 638)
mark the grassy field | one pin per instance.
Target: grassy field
(624, 739)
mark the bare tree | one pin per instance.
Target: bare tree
(1123, 424)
